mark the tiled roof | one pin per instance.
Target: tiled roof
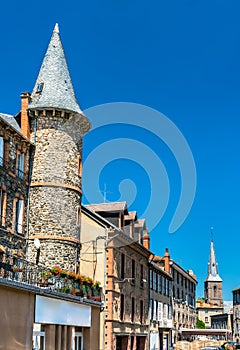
(108, 207)
(53, 87)
(11, 121)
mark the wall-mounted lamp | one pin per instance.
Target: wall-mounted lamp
(126, 279)
(37, 245)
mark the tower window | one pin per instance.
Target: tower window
(40, 88)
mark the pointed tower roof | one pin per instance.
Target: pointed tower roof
(213, 275)
(53, 88)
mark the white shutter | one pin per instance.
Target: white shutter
(160, 311)
(1, 150)
(20, 216)
(165, 311)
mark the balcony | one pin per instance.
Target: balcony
(17, 269)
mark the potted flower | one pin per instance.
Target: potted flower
(17, 268)
(56, 270)
(63, 273)
(71, 275)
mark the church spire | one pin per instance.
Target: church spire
(213, 275)
(53, 88)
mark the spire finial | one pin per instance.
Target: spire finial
(56, 28)
(211, 232)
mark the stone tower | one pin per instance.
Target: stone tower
(56, 125)
(213, 282)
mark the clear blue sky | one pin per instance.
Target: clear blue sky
(179, 57)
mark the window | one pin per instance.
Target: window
(160, 284)
(141, 311)
(154, 280)
(206, 319)
(3, 206)
(1, 150)
(151, 309)
(215, 291)
(78, 216)
(78, 340)
(151, 279)
(38, 339)
(121, 307)
(155, 304)
(133, 309)
(40, 88)
(20, 165)
(141, 276)
(80, 166)
(122, 271)
(18, 225)
(164, 285)
(133, 271)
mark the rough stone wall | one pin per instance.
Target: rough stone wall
(213, 292)
(55, 195)
(14, 186)
(54, 252)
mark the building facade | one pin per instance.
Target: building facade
(160, 308)
(236, 314)
(213, 282)
(212, 304)
(112, 230)
(40, 183)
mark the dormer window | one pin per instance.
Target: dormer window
(39, 88)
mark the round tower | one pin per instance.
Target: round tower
(57, 125)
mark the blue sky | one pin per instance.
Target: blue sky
(180, 58)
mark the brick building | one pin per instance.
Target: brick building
(183, 293)
(124, 243)
(160, 307)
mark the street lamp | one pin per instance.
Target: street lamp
(37, 245)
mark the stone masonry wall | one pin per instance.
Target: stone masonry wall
(55, 196)
(14, 187)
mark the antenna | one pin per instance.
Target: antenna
(105, 193)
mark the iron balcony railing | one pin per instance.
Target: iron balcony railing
(18, 269)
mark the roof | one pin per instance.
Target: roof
(108, 207)
(53, 87)
(132, 215)
(9, 119)
(200, 304)
(140, 223)
(213, 275)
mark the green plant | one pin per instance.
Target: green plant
(56, 270)
(200, 324)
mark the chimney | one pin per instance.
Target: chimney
(166, 259)
(146, 240)
(25, 125)
(190, 272)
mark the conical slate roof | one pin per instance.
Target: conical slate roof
(53, 88)
(213, 275)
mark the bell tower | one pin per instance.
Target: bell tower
(213, 282)
(57, 125)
